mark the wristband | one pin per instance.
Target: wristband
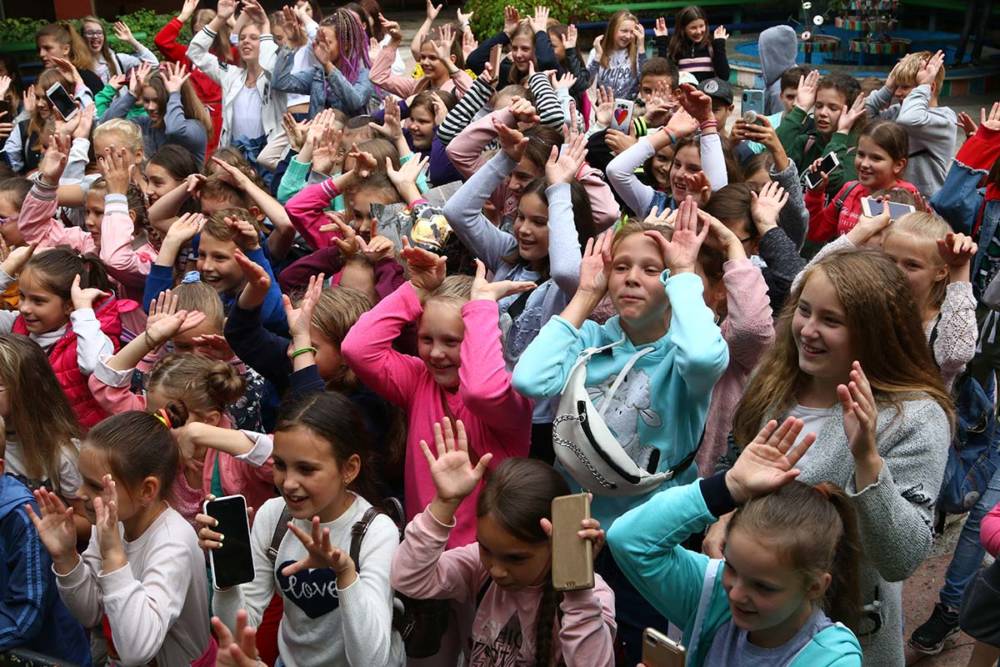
(704, 125)
(302, 350)
(673, 137)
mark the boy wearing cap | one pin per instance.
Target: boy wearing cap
(722, 100)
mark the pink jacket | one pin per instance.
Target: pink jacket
(505, 620)
(989, 531)
(251, 474)
(497, 418)
(305, 211)
(404, 86)
(38, 225)
(126, 263)
(466, 153)
(748, 331)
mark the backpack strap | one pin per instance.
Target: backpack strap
(704, 601)
(845, 193)
(279, 534)
(358, 531)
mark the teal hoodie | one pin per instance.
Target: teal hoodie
(662, 405)
(686, 587)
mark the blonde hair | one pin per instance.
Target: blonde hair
(905, 71)
(614, 23)
(198, 383)
(932, 228)
(455, 289)
(126, 130)
(201, 297)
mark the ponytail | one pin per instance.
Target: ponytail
(59, 267)
(138, 445)
(843, 598)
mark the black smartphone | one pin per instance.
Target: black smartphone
(829, 163)
(61, 101)
(232, 563)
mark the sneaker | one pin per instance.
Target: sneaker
(930, 637)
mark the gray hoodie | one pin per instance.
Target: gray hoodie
(778, 47)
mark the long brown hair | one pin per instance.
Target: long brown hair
(64, 33)
(109, 59)
(609, 39)
(790, 516)
(886, 336)
(40, 414)
(194, 108)
(37, 127)
(679, 39)
(517, 495)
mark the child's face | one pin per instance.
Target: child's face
(525, 172)
(328, 360)
(42, 105)
(696, 30)
(307, 474)
(49, 47)
(115, 141)
(652, 85)
(250, 43)
(662, 160)
(558, 46)
(217, 264)
(279, 34)
(764, 594)
(522, 52)
(721, 113)
(151, 103)
(9, 213)
(42, 310)
(94, 465)
(634, 285)
(788, 97)
(624, 34)
(902, 91)
(430, 63)
(531, 228)
(513, 564)
(421, 126)
(919, 261)
(93, 34)
(876, 169)
(94, 207)
(686, 161)
(439, 340)
(360, 205)
(305, 7)
(819, 328)
(830, 103)
(159, 182)
(209, 205)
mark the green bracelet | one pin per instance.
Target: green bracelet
(302, 350)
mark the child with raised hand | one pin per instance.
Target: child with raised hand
(880, 160)
(530, 47)
(503, 580)
(698, 167)
(142, 570)
(692, 50)
(34, 618)
(440, 59)
(67, 308)
(336, 611)
(785, 593)
(460, 371)
(174, 114)
(910, 98)
(106, 61)
(618, 55)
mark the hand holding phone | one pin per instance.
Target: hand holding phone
(874, 207)
(62, 101)
(658, 650)
(753, 100)
(232, 560)
(814, 177)
(572, 555)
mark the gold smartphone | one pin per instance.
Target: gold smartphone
(659, 650)
(572, 556)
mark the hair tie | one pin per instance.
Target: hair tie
(164, 418)
(191, 277)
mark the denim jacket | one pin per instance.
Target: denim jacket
(325, 91)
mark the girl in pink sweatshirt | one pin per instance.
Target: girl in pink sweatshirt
(504, 581)
(460, 372)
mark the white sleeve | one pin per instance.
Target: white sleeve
(15, 142)
(713, 163)
(78, 588)
(366, 604)
(76, 165)
(621, 175)
(92, 344)
(263, 446)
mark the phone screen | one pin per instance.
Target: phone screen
(896, 210)
(232, 563)
(61, 100)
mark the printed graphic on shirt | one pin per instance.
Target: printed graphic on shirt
(312, 591)
(630, 403)
(505, 649)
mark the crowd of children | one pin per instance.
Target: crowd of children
(401, 312)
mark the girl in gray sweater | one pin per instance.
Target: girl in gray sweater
(850, 359)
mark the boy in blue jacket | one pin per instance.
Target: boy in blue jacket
(31, 614)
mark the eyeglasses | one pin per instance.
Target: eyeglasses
(93, 33)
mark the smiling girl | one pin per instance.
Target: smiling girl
(509, 565)
(530, 47)
(693, 51)
(108, 63)
(618, 55)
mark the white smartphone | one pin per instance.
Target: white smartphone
(829, 163)
(621, 115)
(62, 102)
(872, 207)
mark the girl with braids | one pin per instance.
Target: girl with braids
(504, 579)
(340, 80)
(785, 593)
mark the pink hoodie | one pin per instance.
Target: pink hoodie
(466, 153)
(404, 86)
(38, 225)
(497, 418)
(504, 622)
(989, 531)
(305, 211)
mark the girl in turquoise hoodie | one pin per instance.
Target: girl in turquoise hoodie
(789, 586)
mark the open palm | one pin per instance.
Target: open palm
(452, 471)
(768, 463)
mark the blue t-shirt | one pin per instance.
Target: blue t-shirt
(732, 648)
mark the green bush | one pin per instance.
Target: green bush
(15, 31)
(144, 24)
(488, 18)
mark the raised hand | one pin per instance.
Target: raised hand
(540, 21)
(721, 237)
(123, 32)
(599, 46)
(175, 75)
(469, 44)
(239, 650)
(116, 168)
(512, 142)
(427, 270)
(232, 175)
(109, 538)
(225, 9)
(162, 329)
(84, 122)
(991, 122)
(768, 463)
(590, 529)
(433, 10)
(296, 131)
(720, 33)
(699, 187)
(364, 162)
(246, 234)
(84, 298)
(967, 124)
(67, 68)
(392, 29)
(258, 282)
(569, 41)
(824, 178)
(805, 95)
(595, 265)
(957, 251)
(464, 18)
(524, 112)
(377, 249)
(563, 168)
(860, 418)
(851, 115)
(188, 10)
(766, 205)
(660, 29)
(137, 78)
(680, 253)
(300, 319)
(870, 227)
(696, 103)
(511, 19)
(408, 172)
(444, 42)
(605, 105)
(565, 80)
(185, 228)
(639, 37)
(54, 159)
(618, 141)
(12, 260)
(482, 289)
(391, 127)
(682, 124)
(927, 74)
(452, 471)
(320, 552)
(55, 529)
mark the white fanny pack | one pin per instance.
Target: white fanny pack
(587, 448)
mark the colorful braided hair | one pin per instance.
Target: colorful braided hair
(352, 40)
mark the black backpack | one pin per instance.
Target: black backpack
(421, 623)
